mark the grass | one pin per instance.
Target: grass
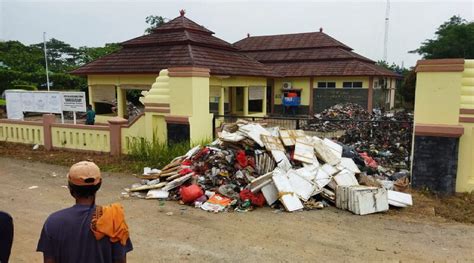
(154, 153)
(3, 102)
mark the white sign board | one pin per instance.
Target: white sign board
(19, 101)
(256, 93)
(74, 101)
(14, 105)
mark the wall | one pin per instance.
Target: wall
(438, 97)
(444, 108)
(340, 80)
(21, 132)
(81, 137)
(134, 131)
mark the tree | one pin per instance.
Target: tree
(154, 22)
(61, 56)
(88, 54)
(454, 39)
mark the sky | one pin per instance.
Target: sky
(358, 24)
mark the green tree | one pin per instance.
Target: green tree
(154, 22)
(61, 56)
(88, 54)
(407, 88)
(16, 56)
(454, 39)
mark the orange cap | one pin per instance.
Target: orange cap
(84, 173)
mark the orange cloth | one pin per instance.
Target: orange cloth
(110, 221)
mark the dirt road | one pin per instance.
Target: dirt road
(192, 235)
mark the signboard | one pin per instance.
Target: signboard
(14, 105)
(255, 93)
(74, 101)
(325, 98)
(20, 101)
(44, 101)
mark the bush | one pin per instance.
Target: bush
(156, 153)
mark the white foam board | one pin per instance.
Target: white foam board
(399, 199)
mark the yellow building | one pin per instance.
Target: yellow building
(443, 151)
(253, 77)
(321, 71)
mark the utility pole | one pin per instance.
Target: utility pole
(46, 59)
(385, 41)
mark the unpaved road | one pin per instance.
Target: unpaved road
(263, 235)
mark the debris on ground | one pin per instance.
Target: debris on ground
(250, 166)
(380, 139)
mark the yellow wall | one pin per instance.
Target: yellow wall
(215, 93)
(304, 85)
(237, 81)
(74, 137)
(465, 176)
(147, 79)
(437, 97)
(21, 133)
(134, 132)
(340, 80)
(297, 83)
(189, 96)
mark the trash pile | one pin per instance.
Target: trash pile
(386, 137)
(249, 166)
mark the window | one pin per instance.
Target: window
(350, 85)
(326, 85)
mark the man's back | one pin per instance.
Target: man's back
(67, 237)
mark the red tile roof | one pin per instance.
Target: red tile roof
(289, 41)
(309, 54)
(178, 43)
(182, 43)
(330, 68)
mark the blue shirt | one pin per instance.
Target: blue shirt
(67, 237)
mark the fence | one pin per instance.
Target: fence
(21, 132)
(384, 136)
(113, 138)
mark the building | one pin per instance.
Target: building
(321, 70)
(249, 78)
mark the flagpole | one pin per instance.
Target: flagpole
(46, 59)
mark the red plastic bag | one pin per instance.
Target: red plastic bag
(185, 171)
(369, 161)
(190, 193)
(256, 199)
(242, 159)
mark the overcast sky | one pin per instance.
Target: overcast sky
(358, 24)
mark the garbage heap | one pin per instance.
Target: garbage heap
(250, 166)
(385, 136)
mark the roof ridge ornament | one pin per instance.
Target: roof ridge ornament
(182, 12)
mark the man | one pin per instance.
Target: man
(85, 232)
(90, 115)
(6, 236)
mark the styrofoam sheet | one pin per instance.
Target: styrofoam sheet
(399, 199)
(304, 151)
(301, 187)
(335, 148)
(325, 153)
(345, 178)
(281, 160)
(348, 164)
(270, 192)
(288, 197)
